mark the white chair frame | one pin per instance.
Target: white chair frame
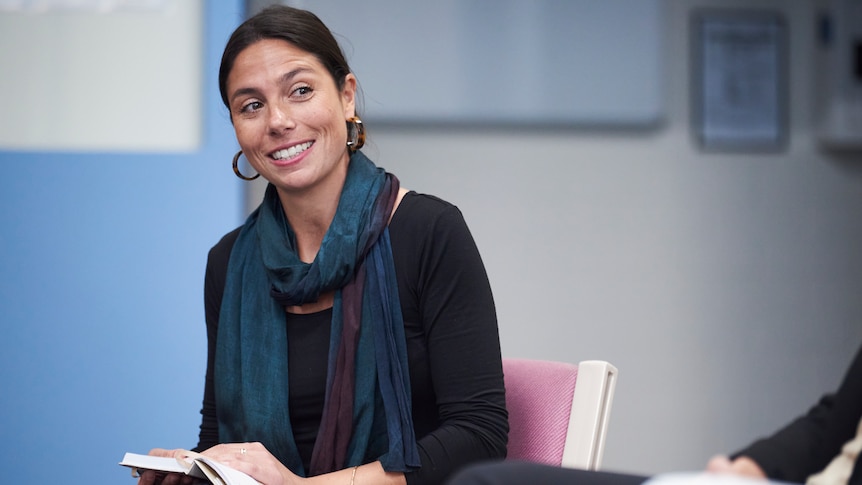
(591, 410)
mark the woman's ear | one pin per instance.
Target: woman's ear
(348, 96)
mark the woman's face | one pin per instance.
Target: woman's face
(289, 116)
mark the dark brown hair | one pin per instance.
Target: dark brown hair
(299, 27)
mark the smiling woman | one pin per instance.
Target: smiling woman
(352, 330)
(289, 116)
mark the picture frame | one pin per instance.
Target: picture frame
(739, 79)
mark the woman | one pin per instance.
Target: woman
(351, 326)
(821, 447)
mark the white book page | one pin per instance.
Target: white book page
(148, 462)
(230, 475)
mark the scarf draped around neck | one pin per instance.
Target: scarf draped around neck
(366, 414)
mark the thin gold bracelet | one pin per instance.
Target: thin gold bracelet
(353, 476)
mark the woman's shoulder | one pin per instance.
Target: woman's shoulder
(220, 253)
(421, 218)
(418, 208)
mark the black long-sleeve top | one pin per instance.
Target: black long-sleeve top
(453, 347)
(806, 445)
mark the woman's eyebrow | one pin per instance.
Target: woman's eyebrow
(244, 92)
(286, 78)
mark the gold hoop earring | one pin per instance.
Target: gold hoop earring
(236, 168)
(355, 134)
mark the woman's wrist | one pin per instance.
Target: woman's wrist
(741, 465)
(745, 466)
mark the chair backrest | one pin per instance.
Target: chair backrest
(558, 412)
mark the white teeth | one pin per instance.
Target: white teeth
(292, 151)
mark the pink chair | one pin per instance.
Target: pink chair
(558, 412)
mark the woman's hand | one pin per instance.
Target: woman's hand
(254, 460)
(150, 477)
(742, 466)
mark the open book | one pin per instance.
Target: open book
(193, 464)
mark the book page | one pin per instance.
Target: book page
(148, 462)
(230, 475)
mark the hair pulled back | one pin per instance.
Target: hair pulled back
(299, 27)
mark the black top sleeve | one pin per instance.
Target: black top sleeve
(214, 283)
(810, 442)
(456, 375)
(453, 344)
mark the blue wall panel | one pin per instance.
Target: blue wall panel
(102, 259)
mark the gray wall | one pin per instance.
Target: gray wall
(725, 287)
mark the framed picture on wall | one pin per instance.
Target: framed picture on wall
(739, 79)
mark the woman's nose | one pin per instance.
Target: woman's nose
(280, 118)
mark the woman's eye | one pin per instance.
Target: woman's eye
(303, 91)
(251, 107)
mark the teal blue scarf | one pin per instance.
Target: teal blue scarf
(367, 409)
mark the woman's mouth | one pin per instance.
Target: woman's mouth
(292, 152)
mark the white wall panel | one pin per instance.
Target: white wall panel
(87, 80)
(504, 61)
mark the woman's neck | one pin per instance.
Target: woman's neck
(310, 212)
(310, 219)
